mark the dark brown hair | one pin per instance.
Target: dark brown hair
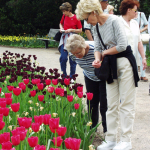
(126, 4)
(66, 7)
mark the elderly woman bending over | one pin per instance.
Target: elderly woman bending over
(83, 54)
(124, 76)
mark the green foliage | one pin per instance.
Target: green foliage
(148, 55)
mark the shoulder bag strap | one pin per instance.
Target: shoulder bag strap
(140, 20)
(100, 36)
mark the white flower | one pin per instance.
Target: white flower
(5, 82)
(26, 113)
(30, 130)
(73, 114)
(89, 123)
(37, 104)
(41, 108)
(91, 147)
(54, 114)
(10, 127)
(8, 77)
(30, 101)
(31, 108)
(2, 93)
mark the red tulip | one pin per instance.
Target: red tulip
(61, 92)
(15, 140)
(2, 124)
(8, 101)
(22, 132)
(4, 111)
(89, 96)
(38, 119)
(33, 141)
(22, 86)
(55, 81)
(35, 127)
(5, 137)
(54, 123)
(0, 90)
(25, 122)
(36, 81)
(48, 81)
(8, 95)
(40, 147)
(70, 98)
(57, 141)
(17, 91)
(75, 144)
(15, 107)
(3, 103)
(10, 88)
(26, 81)
(67, 81)
(7, 146)
(68, 142)
(54, 149)
(61, 131)
(50, 89)
(80, 88)
(52, 130)
(41, 98)
(57, 91)
(33, 93)
(46, 118)
(80, 94)
(40, 86)
(76, 106)
(1, 117)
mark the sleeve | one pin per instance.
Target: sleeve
(120, 35)
(72, 56)
(87, 26)
(98, 46)
(149, 25)
(62, 19)
(143, 17)
(79, 25)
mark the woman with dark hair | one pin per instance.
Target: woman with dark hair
(128, 10)
(68, 25)
(123, 77)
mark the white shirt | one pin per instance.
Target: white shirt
(149, 25)
(133, 36)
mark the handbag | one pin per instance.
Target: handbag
(58, 34)
(144, 37)
(102, 73)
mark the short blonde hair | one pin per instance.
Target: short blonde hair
(110, 7)
(85, 7)
(74, 42)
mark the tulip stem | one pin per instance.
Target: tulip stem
(27, 138)
(21, 145)
(55, 139)
(38, 137)
(46, 134)
(89, 111)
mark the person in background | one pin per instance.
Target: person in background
(110, 9)
(69, 25)
(88, 27)
(124, 75)
(82, 52)
(143, 25)
(149, 30)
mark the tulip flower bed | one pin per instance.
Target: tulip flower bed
(41, 110)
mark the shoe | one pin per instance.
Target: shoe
(108, 145)
(144, 79)
(123, 146)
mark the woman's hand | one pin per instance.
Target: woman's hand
(144, 63)
(96, 63)
(69, 30)
(61, 29)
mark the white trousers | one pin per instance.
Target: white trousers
(123, 89)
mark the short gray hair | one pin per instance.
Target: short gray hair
(84, 7)
(74, 42)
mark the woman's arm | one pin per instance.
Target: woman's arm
(141, 51)
(73, 30)
(145, 28)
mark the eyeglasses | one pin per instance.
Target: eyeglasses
(134, 10)
(87, 17)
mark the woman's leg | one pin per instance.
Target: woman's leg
(99, 96)
(141, 65)
(127, 92)
(63, 59)
(72, 67)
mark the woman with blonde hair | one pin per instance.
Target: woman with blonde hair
(110, 9)
(123, 75)
(83, 54)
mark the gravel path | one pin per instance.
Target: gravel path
(141, 134)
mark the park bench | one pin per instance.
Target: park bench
(51, 34)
